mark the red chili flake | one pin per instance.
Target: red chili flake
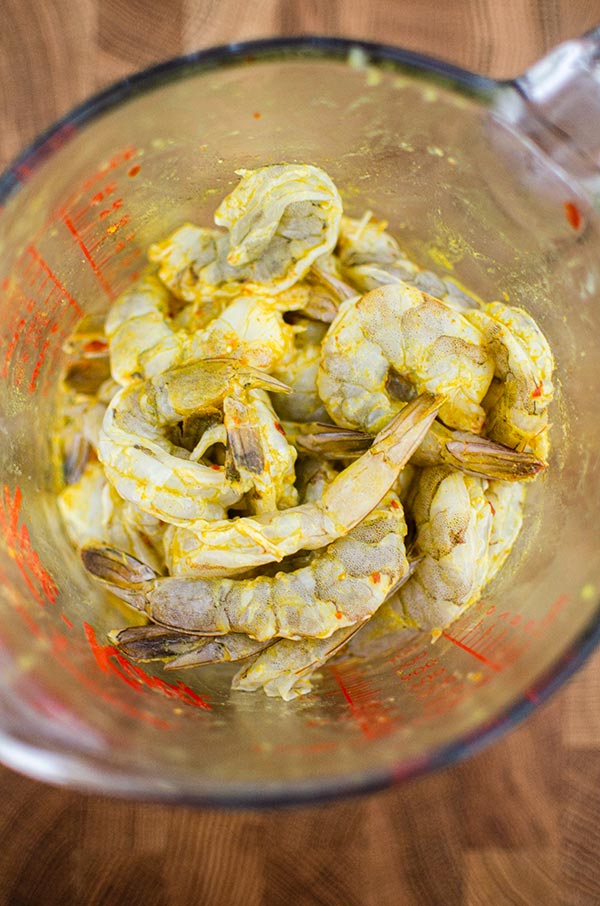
(66, 620)
(573, 214)
(256, 116)
(376, 577)
(492, 507)
(135, 170)
(338, 614)
(96, 346)
(395, 505)
(537, 392)
(216, 467)
(279, 428)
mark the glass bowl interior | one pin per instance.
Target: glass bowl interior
(416, 143)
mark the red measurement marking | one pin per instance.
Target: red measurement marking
(110, 660)
(43, 313)
(554, 611)
(134, 170)
(366, 711)
(87, 255)
(573, 214)
(116, 161)
(66, 620)
(18, 541)
(471, 651)
(61, 655)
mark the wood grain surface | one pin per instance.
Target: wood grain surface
(519, 823)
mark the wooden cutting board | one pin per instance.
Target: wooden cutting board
(519, 823)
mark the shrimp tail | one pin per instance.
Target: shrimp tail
(480, 456)
(181, 650)
(123, 574)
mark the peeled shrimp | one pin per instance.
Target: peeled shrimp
(283, 670)
(231, 546)
(145, 341)
(370, 257)
(94, 514)
(453, 521)
(428, 344)
(279, 219)
(343, 585)
(506, 502)
(517, 403)
(146, 467)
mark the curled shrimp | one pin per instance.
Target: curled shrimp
(453, 522)
(517, 403)
(343, 585)
(77, 435)
(299, 373)
(284, 669)
(427, 344)
(279, 219)
(370, 257)
(506, 502)
(146, 467)
(94, 514)
(231, 546)
(145, 341)
(141, 337)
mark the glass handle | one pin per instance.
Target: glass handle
(556, 105)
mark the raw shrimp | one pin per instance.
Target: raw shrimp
(140, 460)
(343, 585)
(85, 393)
(253, 330)
(80, 505)
(259, 452)
(94, 514)
(299, 372)
(283, 670)
(133, 531)
(230, 546)
(179, 650)
(517, 403)
(461, 450)
(142, 339)
(369, 257)
(145, 341)
(453, 522)
(279, 219)
(79, 433)
(427, 344)
(506, 502)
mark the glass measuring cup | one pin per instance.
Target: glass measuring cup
(476, 179)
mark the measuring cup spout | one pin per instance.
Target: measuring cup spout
(556, 105)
